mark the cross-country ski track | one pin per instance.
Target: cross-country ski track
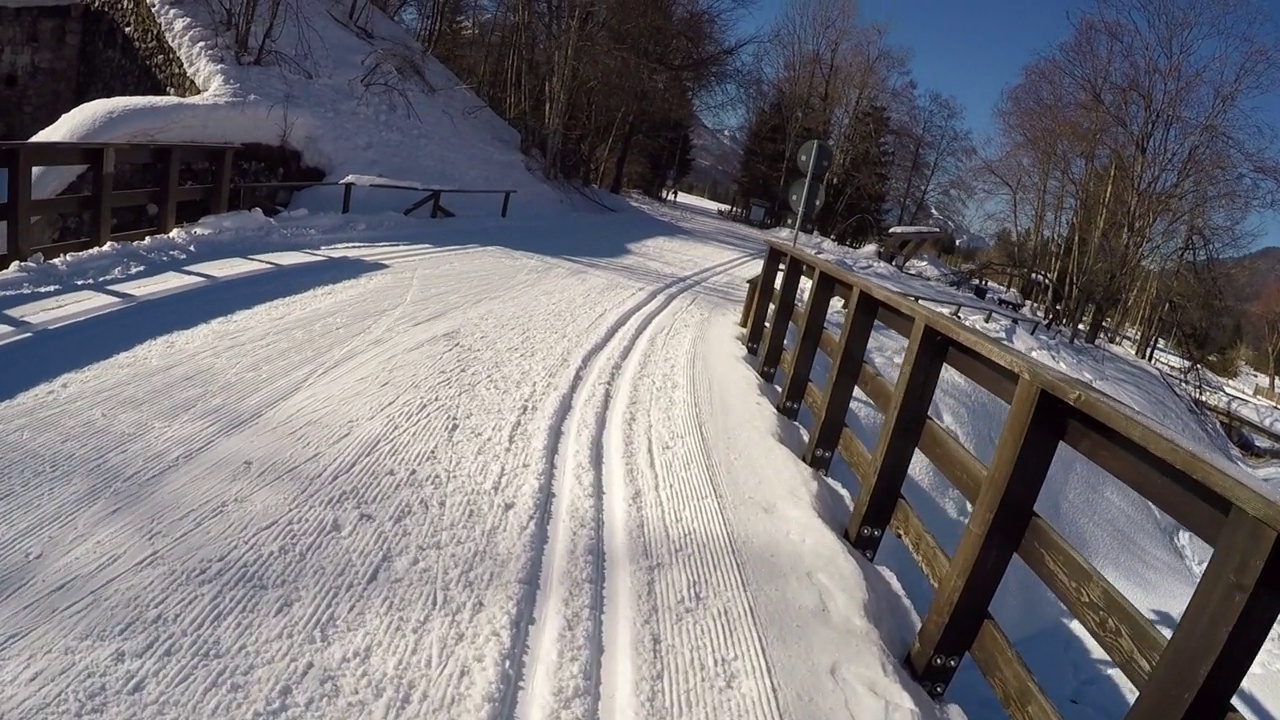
(302, 475)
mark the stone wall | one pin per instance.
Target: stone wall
(39, 61)
(57, 56)
(135, 19)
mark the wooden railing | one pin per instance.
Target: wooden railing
(101, 198)
(1194, 674)
(176, 181)
(430, 195)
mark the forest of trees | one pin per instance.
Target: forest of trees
(899, 151)
(1127, 166)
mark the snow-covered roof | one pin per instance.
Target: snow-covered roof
(912, 230)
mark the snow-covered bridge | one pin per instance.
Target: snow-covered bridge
(341, 466)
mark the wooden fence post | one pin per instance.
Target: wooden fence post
(764, 293)
(1036, 423)
(506, 202)
(104, 183)
(346, 198)
(435, 204)
(815, 321)
(749, 302)
(1225, 624)
(842, 378)
(899, 435)
(223, 164)
(18, 217)
(776, 337)
(171, 163)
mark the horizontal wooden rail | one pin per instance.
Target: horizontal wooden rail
(433, 194)
(20, 210)
(1236, 603)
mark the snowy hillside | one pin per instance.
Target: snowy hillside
(355, 97)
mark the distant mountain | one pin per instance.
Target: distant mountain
(716, 156)
(1253, 272)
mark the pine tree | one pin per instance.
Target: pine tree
(764, 159)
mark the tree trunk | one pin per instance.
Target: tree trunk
(620, 165)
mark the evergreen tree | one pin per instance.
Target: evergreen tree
(764, 159)
(857, 186)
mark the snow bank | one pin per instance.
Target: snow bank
(353, 100)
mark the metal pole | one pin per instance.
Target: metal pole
(804, 199)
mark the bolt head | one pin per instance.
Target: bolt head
(939, 688)
(864, 531)
(869, 555)
(953, 661)
(937, 660)
(876, 532)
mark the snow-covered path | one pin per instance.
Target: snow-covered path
(423, 481)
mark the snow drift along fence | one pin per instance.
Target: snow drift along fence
(20, 210)
(1195, 673)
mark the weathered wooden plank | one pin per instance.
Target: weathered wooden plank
(1000, 664)
(812, 327)
(134, 198)
(62, 204)
(220, 197)
(749, 301)
(783, 310)
(1032, 431)
(1227, 620)
(188, 193)
(1176, 493)
(1124, 633)
(847, 356)
(134, 235)
(985, 372)
(104, 178)
(18, 203)
(53, 250)
(1009, 677)
(170, 162)
(764, 296)
(904, 422)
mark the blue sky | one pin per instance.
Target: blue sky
(973, 49)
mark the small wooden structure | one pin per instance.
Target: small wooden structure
(905, 242)
(1191, 676)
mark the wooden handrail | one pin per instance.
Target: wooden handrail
(1236, 603)
(20, 207)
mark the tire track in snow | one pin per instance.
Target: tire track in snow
(709, 656)
(581, 411)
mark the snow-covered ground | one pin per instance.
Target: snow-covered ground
(349, 466)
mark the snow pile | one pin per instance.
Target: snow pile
(352, 97)
(1149, 557)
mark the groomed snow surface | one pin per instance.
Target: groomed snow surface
(341, 466)
(371, 466)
